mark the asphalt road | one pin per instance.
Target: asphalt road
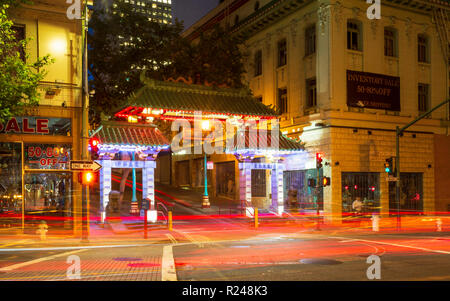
(201, 254)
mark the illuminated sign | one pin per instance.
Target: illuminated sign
(374, 91)
(36, 126)
(47, 156)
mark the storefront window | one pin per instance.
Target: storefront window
(411, 193)
(297, 193)
(48, 194)
(10, 177)
(225, 180)
(360, 192)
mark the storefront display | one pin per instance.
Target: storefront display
(411, 193)
(297, 193)
(360, 192)
(10, 177)
(48, 194)
(225, 178)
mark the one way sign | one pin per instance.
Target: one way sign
(85, 166)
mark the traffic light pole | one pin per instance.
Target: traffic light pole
(399, 132)
(84, 127)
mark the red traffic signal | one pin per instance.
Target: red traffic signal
(87, 177)
(326, 181)
(93, 146)
(319, 160)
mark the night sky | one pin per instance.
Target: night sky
(191, 11)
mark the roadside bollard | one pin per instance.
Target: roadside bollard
(439, 225)
(42, 230)
(256, 217)
(375, 222)
(170, 220)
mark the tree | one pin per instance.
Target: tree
(121, 46)
(18, 79)
(217, 59)
(124, 44)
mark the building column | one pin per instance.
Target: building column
(245, 182)
(148, 182)
(277, 189)
(105, 186)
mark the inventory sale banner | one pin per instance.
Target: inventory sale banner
(374, 91)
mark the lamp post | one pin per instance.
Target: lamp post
(134, 203)
(206, 126)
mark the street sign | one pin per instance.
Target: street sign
(392, 179)
(85, 165)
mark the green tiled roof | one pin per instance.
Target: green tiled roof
(180, 96)
(284, 144)
(135, 135)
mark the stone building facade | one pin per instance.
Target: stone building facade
(300, 53)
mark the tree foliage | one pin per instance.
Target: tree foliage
(121, 46)
(18, 79)
(125, 44)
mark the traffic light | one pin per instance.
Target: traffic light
(312, 183)
(319, 160)
(388, 166)
(326, 181)
(87, 177)
(93, 146)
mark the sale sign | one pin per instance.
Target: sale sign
(47, 156)
(36, 125)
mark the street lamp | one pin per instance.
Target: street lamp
(206, 126)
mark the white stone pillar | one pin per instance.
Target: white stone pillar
(105, 186)
(148, 182)
(277, 189)
(245, 182)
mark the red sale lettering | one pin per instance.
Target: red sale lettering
(26, 128)
(42, 126)
(12, 126)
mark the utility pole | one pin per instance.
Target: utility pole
(399, 132)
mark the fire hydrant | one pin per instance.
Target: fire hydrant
(42, 230)
(375, 222)
(439, 225)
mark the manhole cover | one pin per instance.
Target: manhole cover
(320, 261)
(142, 265)
(127, 259)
